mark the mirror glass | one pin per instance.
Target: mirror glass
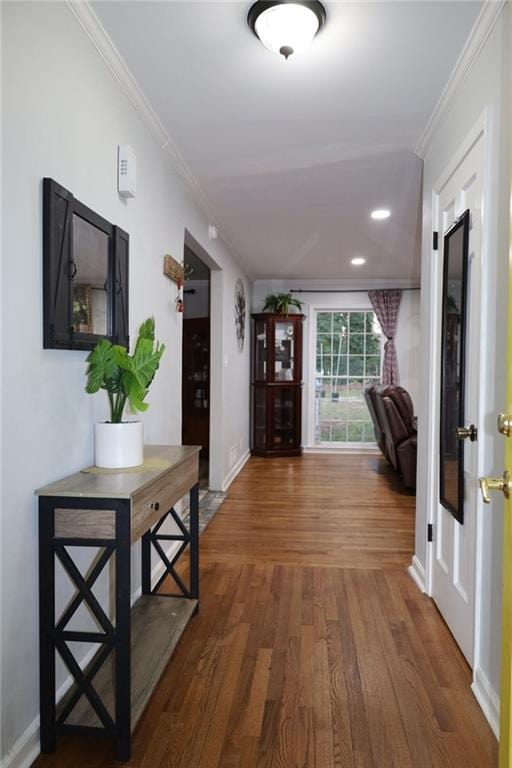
(452, 369)
(91, 248)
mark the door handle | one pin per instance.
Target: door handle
(464, 432)
(505, 423)
(502, 484)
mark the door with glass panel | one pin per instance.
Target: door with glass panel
(348, 356)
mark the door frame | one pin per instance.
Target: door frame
(505, 729)
(216, 461)
(480, 129)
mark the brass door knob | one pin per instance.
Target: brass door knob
(464, 432)
(502, 484)
(505, 423)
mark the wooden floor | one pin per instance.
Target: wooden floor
(313, 647)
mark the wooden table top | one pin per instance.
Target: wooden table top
(122, 484)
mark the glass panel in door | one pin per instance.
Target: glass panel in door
(260, 417)
(284, 352)
(284, 417)
(260, 351)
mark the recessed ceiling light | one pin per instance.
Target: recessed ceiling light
(380, 214)
(285, 27)
(358, 261)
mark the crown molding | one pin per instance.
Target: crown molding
(96, 32)
(478, 37)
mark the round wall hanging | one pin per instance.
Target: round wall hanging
(240, 314)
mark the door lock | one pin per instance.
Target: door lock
(503, 484)
(472, 432)
(505, 423)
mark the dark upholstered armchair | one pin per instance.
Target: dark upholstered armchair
(395, 428)
(369, 396)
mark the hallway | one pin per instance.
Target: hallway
(313, 647)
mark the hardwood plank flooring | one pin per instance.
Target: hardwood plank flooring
(313, 647)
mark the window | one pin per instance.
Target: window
(348, 356)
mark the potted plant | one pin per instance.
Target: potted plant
(126, 379)
(280, 303)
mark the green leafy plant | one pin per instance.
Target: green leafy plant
(281, 303)
(125, 377)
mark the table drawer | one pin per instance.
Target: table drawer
(156, 499)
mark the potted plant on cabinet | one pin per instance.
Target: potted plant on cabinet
(126, 379)
(280, 303)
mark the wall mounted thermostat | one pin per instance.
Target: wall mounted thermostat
(126, 171)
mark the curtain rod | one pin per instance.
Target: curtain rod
(349, 290)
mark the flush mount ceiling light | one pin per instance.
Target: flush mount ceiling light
(380, 214)
(286, 26)
(358, 261)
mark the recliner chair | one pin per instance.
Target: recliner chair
(395, 431)
(392, 414)
(403, 402)
(369, 396)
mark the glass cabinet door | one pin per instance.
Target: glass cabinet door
(283, 415)
(284, 351)
(260, 350)
(260, 418)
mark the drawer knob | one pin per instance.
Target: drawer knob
(155, 505)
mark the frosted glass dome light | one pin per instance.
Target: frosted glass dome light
(286, 27)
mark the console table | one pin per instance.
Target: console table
(110, 510)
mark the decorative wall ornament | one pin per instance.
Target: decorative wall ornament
(240, 314)
(173, 269)
(178, 272)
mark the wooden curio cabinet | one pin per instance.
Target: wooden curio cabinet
(276, 384)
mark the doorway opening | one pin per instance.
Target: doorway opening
(195, 400)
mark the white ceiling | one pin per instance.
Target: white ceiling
(293, 155)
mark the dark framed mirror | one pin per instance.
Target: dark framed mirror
(453, 345)
(85, 274)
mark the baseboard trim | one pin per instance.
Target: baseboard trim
(235, 470)
(352, 450)
(23, 753)
(487, 698)
(417, 573)
(27, 749)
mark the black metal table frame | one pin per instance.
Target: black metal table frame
(54, 636)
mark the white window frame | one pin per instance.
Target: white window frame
(310, 360)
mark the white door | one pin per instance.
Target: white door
(454, 551)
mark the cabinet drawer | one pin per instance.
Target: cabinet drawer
(156, 499)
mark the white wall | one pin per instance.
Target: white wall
(407, 334)
(487, 86)
(64, 114)
(408, 343)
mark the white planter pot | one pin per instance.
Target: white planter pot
(117, 446)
